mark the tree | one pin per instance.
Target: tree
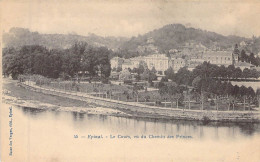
(125, 75)
(258, 96)
(230, 70)
(243, 56)
(142, 67)
(154, 70)
(175, 92)
(228, 89)
(145, 74)
(105, 72)
(182, 76)
(237, 73)
(196, 83)
(246, 73)
(96, 60)
(118, 69)
(222, 71)
(169, 73)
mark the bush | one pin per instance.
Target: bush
(129, 82)
(205, 120)
(212, 103)
(105, 80)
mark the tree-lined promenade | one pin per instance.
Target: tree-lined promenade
(134, 109)
(169, 95)
(205, 84)
(200, 89)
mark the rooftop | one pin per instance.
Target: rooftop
(217, 53)
(243, 64)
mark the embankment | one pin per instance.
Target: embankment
(139, 110)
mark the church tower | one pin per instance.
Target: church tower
(235, 55)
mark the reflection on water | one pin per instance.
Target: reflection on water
(46, 135)
(93, 124)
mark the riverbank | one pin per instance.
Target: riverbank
(144, 111)
(22, 97)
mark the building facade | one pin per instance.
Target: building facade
(116, 62)
(177, 63)
(219, 58)
(159, 61)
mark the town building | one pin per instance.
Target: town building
(243, 65)
(243, 44)
(219, 58)
(127, 64)
(177, 63)
(159, 61)
(116, 62)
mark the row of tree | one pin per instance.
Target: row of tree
(207, 70)
(243, 57)
(80, 59)
(140, 73)
(204, 82)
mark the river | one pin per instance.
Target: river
(50, 136)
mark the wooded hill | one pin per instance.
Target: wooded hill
(168, 37)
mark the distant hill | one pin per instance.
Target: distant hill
(19, 36)
(176, 35)
(173, 36)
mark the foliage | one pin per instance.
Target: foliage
(65, 63)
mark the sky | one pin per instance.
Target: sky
(130, 18)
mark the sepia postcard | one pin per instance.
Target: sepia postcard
(130, 80)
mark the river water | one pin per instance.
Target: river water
(44, 135)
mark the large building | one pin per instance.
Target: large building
(116, 62)
(159, 61)
(219, 58)
(177, 63)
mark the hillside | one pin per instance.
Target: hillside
(176, 35)
(19, 36)
(173, 36)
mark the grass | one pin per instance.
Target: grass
(118, 92)
(20, 92)
(90, 87)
